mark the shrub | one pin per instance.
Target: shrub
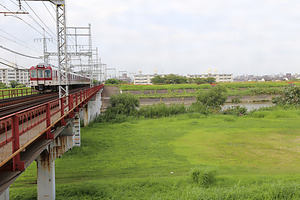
(161, 110)
(290, 96)
(214, 98)
(198, 107)
(236, 100)
(123, 103)
(203, 177)
(235, 110)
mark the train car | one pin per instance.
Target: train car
(44, 78)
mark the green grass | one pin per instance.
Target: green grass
(255, 157)
(235, 89)
(229, 85)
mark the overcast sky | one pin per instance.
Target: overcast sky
(174, 36)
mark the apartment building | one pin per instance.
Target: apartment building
(143, 79)
(219, 77)
(9, 74)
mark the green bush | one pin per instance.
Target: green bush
(161, 110)
(235, 110)
(203, 177)
(290, 96)
(214, 98)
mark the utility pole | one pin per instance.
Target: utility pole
(61, 45)
(44, 39)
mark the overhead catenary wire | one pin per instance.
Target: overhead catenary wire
(22, 20)
(49, 11)
(21, 54)
(27, 22)
(10, 62)
(40, 19)
(15, 41)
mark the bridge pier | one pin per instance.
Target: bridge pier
(5, 195)
(46, 164)
(92, 108)
(46, 176)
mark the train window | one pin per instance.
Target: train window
(33, 73)
(47, 73)
(40, 73)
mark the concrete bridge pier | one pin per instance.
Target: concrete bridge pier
(46, 176)
(5, 195)
(92, 108)
(46, 165)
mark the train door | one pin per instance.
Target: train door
(40, 78)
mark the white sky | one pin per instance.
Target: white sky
(174, 36)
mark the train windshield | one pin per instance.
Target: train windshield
(40, 73)
(47, 73)
(33, 73)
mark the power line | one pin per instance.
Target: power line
(15, 41)
(21, 54)
(10, 62)
(49, 11)
(40, 19)
(14, 15)
(34, 19)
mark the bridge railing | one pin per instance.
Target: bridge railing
(17, 130)
(10, 93)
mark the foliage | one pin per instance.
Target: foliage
(165, 87)
(198, 107)
(236, 100)
(114, 81)
(20, 86)
(214, 98)
(123, 103)
(235, 110)
(290, 96)
(203, 177)
(161, 110)
(2, 85)
(13, 84)
(176, 79)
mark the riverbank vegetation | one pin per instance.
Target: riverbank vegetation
(197, 154)
(192, 90)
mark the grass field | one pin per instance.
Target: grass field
(192, 90)
(229, 85)
(255, 157)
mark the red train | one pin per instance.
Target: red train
(44, 77)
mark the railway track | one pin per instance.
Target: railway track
(13, 105)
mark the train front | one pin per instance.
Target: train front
(41, 78)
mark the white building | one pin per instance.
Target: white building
(219, 77)
(143, 79)
(9, 74)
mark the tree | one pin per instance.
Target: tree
(158, 80)
(210, 80)
(13, 84)
(113, 81)
(20, 85)
(2, 85)
(214, 98)
(290, 96)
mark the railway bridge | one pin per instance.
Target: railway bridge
(42, 133)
